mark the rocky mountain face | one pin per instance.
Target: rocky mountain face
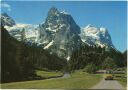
(59, 33)
(6, 20)
(96, 36)
(17, 29)
(29, 32)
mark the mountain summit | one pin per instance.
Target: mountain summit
(96, 36)
(59, 33)
(6, 20)
(56, 20)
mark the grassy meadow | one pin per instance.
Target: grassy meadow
(78, 79)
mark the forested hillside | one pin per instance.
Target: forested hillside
(20, 60)
(96, 58)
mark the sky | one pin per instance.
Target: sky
(109, 14)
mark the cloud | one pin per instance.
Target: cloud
(6, 6)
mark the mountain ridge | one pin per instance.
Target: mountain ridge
(60, 34)
(96, 36)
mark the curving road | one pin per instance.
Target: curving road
(109, 84)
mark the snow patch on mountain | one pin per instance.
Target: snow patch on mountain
(17, 26)
(31, 31)
(51, 43)
(64, 12)
(68, 58)
(96, 36)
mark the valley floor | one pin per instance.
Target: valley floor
(76, 80)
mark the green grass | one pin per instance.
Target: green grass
(46, 74)
(77, 80)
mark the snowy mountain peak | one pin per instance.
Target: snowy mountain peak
(94, 31)
(31, 32)
(60, 33)
(96, 36)
(6, 20)
(64, 12)
(53, 11)
(56, 20)
(103, 30)
(89, 25)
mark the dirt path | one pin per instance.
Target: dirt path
(108, 84)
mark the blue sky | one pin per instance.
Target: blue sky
(111, 15)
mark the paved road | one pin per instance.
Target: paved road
(108, 84)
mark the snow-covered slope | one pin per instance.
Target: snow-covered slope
(96, 36)
(51, 43)
(31, 32)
